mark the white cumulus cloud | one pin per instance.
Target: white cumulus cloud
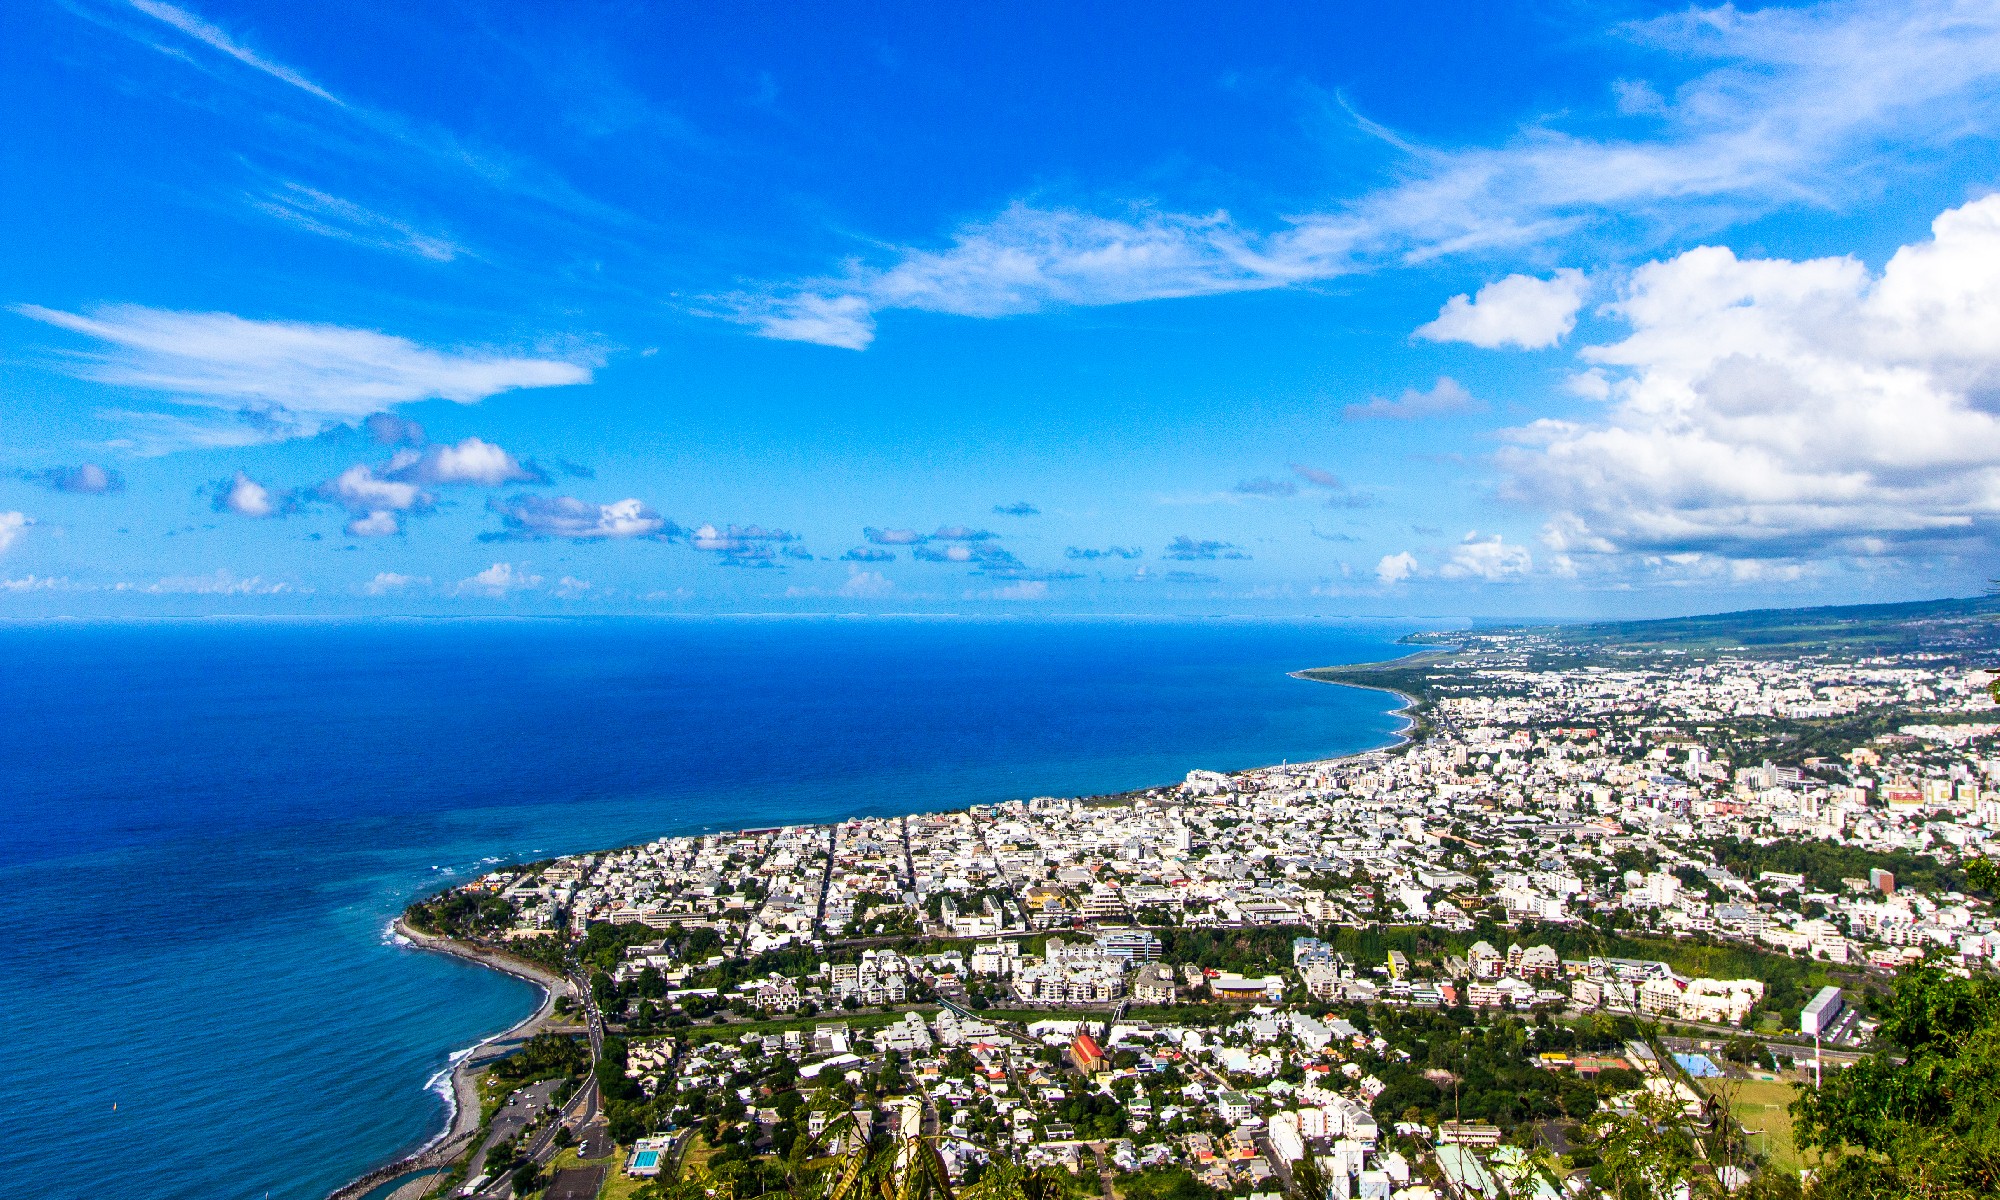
(866, 585)
(1395, 568)
(1489, 558)
(500, 579)
(1775, 409)
(386, 582)
(1519, 310)
(11, 525)
(379, 523)
(471, 461)
(245, 497)
(361, 489)
(534, 517)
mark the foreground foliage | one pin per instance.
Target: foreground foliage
(1922, 1123)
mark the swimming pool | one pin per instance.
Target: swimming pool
(646, 1159)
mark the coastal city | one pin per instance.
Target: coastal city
(1587, 894)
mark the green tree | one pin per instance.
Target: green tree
(1924, 1122)
(1647, 1151)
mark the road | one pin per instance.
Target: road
(1103, 1170)
(826, 880)
(909, 864)
(521, 1108)
(1790, 1041)
(579, 1113)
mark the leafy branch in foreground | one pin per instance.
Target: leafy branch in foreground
(1924, 1123)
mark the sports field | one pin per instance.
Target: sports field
(1760, 1106)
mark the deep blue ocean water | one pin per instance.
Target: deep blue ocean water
(208, 826)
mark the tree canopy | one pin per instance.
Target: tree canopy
(1923, 1121)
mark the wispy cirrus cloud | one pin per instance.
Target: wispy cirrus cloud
(1789, 106)
(331, 216)
(292, 376)
(428, 147)
(1445, 397)
(214, 35)
(1024, 260)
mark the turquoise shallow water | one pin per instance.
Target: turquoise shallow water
(208, 827)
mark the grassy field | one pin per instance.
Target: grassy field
(617, 1185)
(1760, 1106)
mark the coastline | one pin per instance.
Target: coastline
(1407, 711)
(462, 1096)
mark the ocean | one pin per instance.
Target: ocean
(208, 826)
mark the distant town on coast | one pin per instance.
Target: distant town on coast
(1653, 900)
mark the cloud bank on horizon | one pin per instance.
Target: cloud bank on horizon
(1719, 323)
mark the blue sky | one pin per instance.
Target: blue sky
(1474, 309)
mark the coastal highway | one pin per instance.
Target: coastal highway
(512, 1118)
(577, 1112)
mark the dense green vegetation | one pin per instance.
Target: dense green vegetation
(1925, 1120)
(1266, 948)
(625, 1105)
(1825, 864)
(602, 946)
(461, 914)
(1488, 1071)
(1165, 1183)
(548, 951)
(1854, 629)
(544, 1056)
